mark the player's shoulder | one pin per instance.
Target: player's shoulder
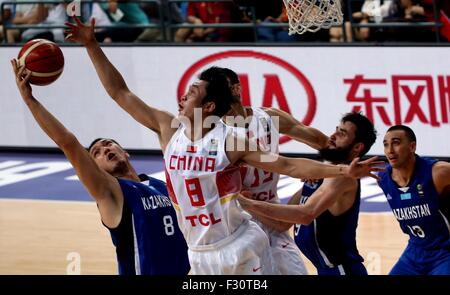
(426, 160)
(157, 186)
(156, 182)
(441, 169)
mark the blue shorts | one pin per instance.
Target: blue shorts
(418, 261)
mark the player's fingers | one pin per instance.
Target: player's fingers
(69, 32)
(69, 37)
(21, 70)
(27, 77)
(77, 20)
(93, 23)
(355, 160)
(375, 176)
(70, 25)
(372, 159)
(14, 65)
(378, 163)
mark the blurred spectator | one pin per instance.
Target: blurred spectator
(444, 17)
(444, 5)
(5, 17)
(26, 14)
(276, 34)
(414, 10)
(172, 14)
(274, 11)
(94, 10)
(411, 11)
(372, 11)
(445, 20)
(206, 13)
(56, 16)
(120, 14)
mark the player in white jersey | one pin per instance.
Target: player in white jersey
(220, 239)
(263, 184)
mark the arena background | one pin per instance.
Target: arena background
(49, 224)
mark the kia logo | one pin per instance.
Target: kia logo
(275, 81)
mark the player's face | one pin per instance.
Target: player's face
(192, 99)
(236, 91)
(398, 149)
(341, 144)
(343, 137)
(109, 156)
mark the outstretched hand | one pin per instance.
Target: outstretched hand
(79, 32)
(22, 80)
(358, 169)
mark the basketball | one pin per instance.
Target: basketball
(44, 59)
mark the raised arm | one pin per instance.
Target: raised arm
(113, 82)
(332, 190)
(103, 187)
(293, 128)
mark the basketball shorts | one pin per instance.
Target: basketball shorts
(419, 261)
(245, 252)
(287, 256)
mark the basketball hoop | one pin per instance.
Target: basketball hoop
(312, 15)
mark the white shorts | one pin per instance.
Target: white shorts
(245, 252)
(285, 253)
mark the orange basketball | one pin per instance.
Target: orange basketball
(44, 59)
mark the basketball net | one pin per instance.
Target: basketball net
(312, 15)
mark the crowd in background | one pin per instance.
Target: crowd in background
(135, 21)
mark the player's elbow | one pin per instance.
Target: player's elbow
(118, 93)
(307, 217)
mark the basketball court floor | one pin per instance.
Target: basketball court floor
(50, 225)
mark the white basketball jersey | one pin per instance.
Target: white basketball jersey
(262, 184)
(203, 186)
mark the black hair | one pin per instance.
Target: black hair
(365, 130)
(101, 138)
(233, 78)
(408, 131)
(217, 90)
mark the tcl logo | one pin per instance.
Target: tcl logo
(266, 81)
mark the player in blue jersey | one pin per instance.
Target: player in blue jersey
(137, 211)
(418, 191)
(326, 212)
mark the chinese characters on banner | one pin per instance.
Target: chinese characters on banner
(413, 98)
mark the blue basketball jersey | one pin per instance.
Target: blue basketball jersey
(330, 241)
(417, 207)
(148, 240)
